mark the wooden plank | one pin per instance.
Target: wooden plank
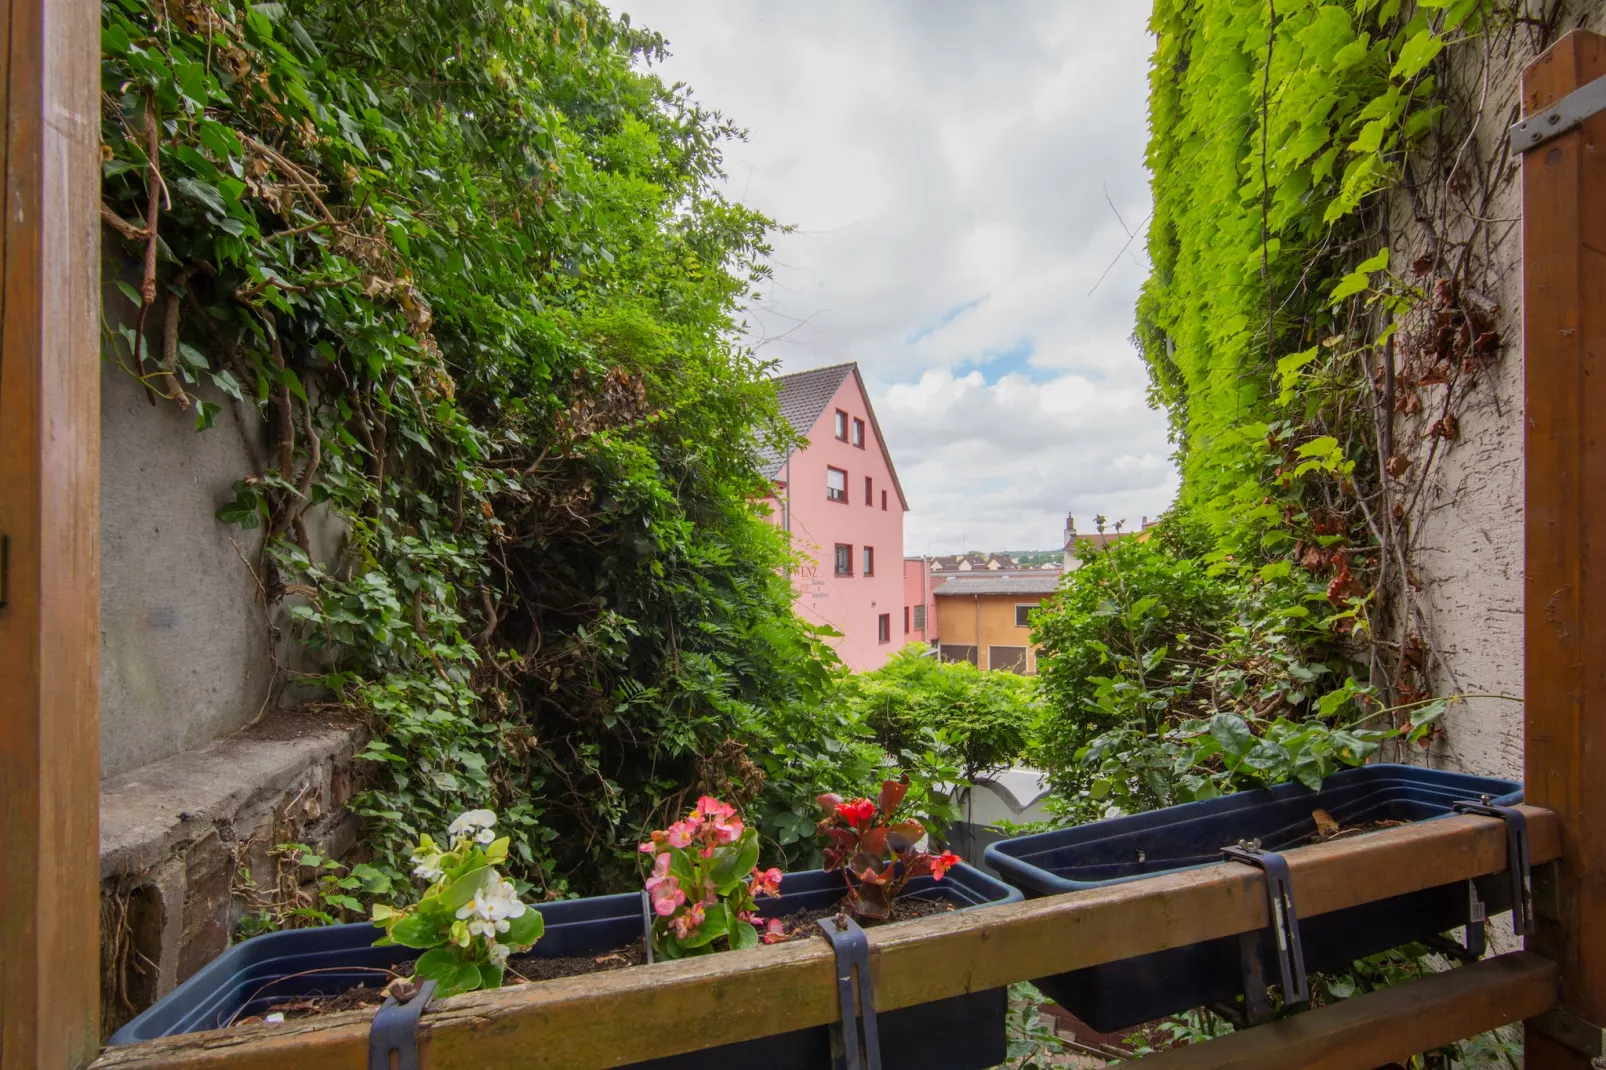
(1564, 354)
(1384, 1027)
(608, 1020)
(50, 516)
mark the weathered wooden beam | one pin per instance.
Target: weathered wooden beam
(1384, 1027)
(1564, 373)
(612, 1019)
(49, 534)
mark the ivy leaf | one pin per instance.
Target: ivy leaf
(1417, 53)
(205, 413)
(198, 191)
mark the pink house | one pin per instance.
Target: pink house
(839, 497)
(919, 607)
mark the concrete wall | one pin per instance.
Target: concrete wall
(185, 654)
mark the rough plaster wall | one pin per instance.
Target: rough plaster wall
(1469, 542)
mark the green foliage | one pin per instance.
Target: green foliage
(980, 719)
(1164, 682)
(333, 897)
(467, 261)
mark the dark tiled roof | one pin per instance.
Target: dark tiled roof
(964, 585)
(803, 396)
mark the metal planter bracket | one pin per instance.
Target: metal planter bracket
(395, 1030)
(1568, 1029)
(1564, 115)
(1284, 927)
(853, 1031)
(1521, 874)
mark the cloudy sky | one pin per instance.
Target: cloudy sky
(959, 175)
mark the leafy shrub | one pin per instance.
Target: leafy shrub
(981, 719)
(1167, 681)
(469, 264)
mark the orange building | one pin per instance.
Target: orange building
(982, 618)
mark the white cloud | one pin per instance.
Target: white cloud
(950, 168)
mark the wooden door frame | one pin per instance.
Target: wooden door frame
(50, 525)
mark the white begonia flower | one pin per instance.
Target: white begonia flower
(494, 903)
(499, 954)
(484, 836)
(428, 867)
(469, 824)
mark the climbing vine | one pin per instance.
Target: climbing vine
(1317, 318)
(462, 267)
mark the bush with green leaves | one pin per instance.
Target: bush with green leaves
(468, 265)
(1167, 679)
(980, 719)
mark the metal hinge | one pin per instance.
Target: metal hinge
(1564, 115)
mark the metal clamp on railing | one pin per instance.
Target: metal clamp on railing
(395, 1030)
(1521, 873)
(1284, 927)
(855, 1030)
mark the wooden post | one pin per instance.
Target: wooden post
(1564, 369)
(49, 535)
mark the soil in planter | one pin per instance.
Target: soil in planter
(1329, 829)
(802, 925)
(526, 968)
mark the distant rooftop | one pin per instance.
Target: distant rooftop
(994, 583)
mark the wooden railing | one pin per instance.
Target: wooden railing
(49, 366)
(626, 1016)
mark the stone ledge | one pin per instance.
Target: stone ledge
(149, 812)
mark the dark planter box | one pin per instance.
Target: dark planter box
(961, 1033)
(1120, 994)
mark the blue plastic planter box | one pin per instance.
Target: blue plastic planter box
(961, 1033)
(1120, 994)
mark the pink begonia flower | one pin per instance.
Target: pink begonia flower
(660, 865)
(710, 807)
(681, 834)
(684, 925)
(774, 931)
(710, 893)
(665, 894)
(766, 881)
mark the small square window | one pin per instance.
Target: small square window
(869, 491)
(841, 425)
(836, 484)
(844, 559)
(884, 628)
(858, 432)
(869, 560)
(1023, 613)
